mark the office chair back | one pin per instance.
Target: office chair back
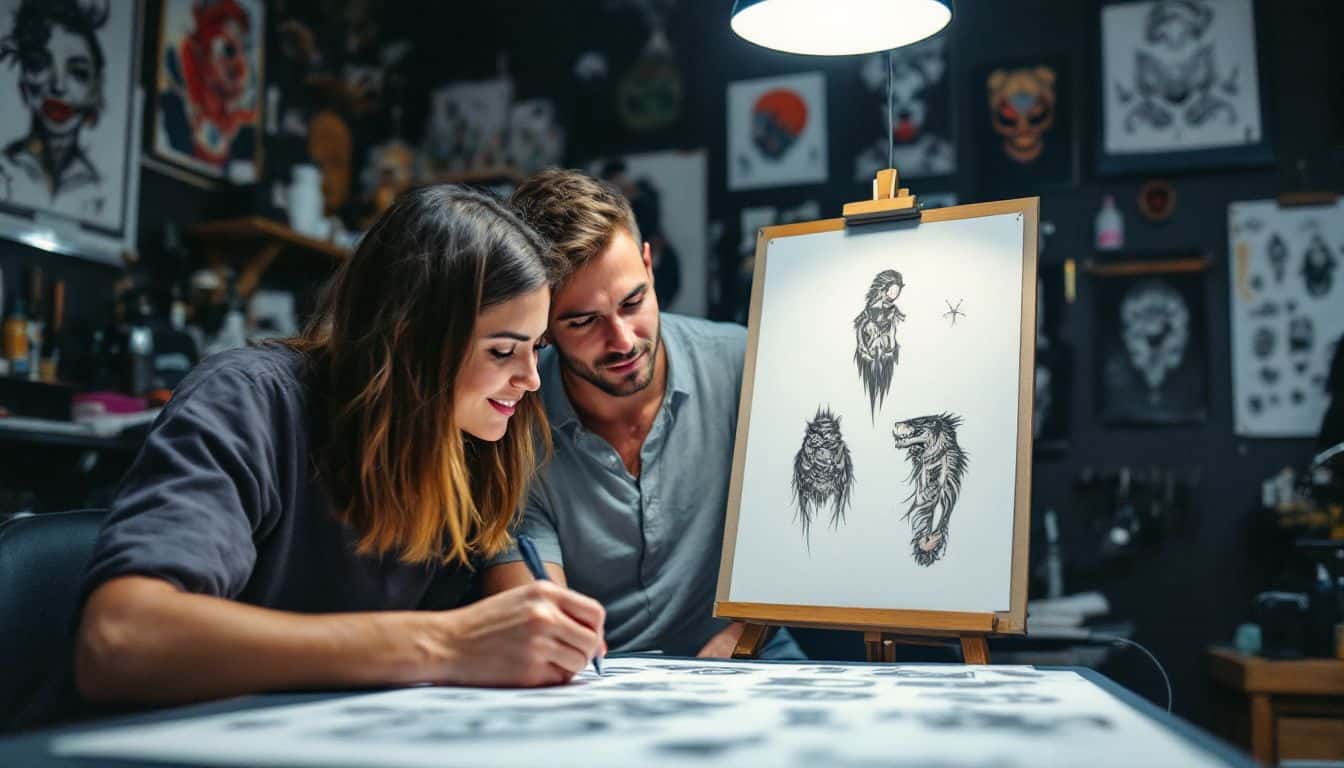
(42, 562)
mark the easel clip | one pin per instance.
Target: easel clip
(889, 202)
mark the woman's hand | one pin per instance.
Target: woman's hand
(536, 634)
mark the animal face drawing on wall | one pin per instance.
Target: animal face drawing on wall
(777, 120)
(61, 64)
(919, 139)
(1176, 77)
(822, 471)
(1155, 327)
(1022, 108)
(876, 351)
(1318, 268)
(937, 464)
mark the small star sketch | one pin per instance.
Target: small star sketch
(953, 312)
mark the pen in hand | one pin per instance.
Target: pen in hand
(533, 560)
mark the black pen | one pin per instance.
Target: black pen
(533, 560)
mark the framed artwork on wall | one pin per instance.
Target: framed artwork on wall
(1287, 305)
(1025, 128)
(777, 131)
(1151, 342)
(1181, 88)
(921, 117)
(668, 192)
(69, 132)
(209, 86)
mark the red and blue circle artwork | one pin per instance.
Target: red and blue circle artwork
(777, 120)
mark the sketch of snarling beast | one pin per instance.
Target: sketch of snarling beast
(876, 351)
(822, 471)
(937, 464)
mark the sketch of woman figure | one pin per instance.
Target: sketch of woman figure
(61, 64)
(876, 351)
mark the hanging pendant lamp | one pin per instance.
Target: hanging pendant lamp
(838, 27)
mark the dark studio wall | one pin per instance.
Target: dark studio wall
(1192, 585)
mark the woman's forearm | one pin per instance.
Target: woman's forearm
(141, 639)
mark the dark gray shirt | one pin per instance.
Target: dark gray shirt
(223, 500)
(648, 548)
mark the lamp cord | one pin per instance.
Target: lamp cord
(1126, 641)
(891, 117)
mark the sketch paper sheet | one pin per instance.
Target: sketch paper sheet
(668, 712)
(958, 289)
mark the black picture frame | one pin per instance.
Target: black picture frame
(1177, 393)
(1255, 154)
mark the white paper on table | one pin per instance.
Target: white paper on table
(663, 712)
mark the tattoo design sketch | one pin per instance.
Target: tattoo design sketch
(953, 312)
(1277, 253)
(1318, 268)
(1262, 343)
(876, 351)
(1301, 334)
(1179, 79)
(937, 464)
(822, 471)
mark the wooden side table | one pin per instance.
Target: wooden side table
(1281, 710)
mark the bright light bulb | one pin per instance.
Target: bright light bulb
(839, 27)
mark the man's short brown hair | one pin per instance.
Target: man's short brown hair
(575, 213)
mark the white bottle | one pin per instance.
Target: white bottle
(1110, 227)
(305, 201)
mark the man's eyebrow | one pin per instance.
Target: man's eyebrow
(577, 313)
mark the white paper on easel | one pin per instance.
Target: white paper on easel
(958, 355)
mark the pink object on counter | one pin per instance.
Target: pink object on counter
(87, 404)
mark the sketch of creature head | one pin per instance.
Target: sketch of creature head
(61, 63)
(937, 464)
(1318, 267)
(876, 351)
(822, 471)
(1175, 23)
(1155, 327)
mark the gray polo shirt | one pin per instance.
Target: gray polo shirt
(648, 548)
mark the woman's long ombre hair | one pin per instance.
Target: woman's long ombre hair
(383, 352)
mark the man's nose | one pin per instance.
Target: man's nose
(620, 335)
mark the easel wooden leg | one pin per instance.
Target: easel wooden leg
(753, 639)
(974, 649)
(879, 646)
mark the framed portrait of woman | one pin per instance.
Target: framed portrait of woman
(69, 151)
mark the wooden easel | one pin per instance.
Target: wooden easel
(880, 645)
(884, 629)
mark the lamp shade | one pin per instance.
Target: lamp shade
(838, 27)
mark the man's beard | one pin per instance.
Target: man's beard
(628, 384)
